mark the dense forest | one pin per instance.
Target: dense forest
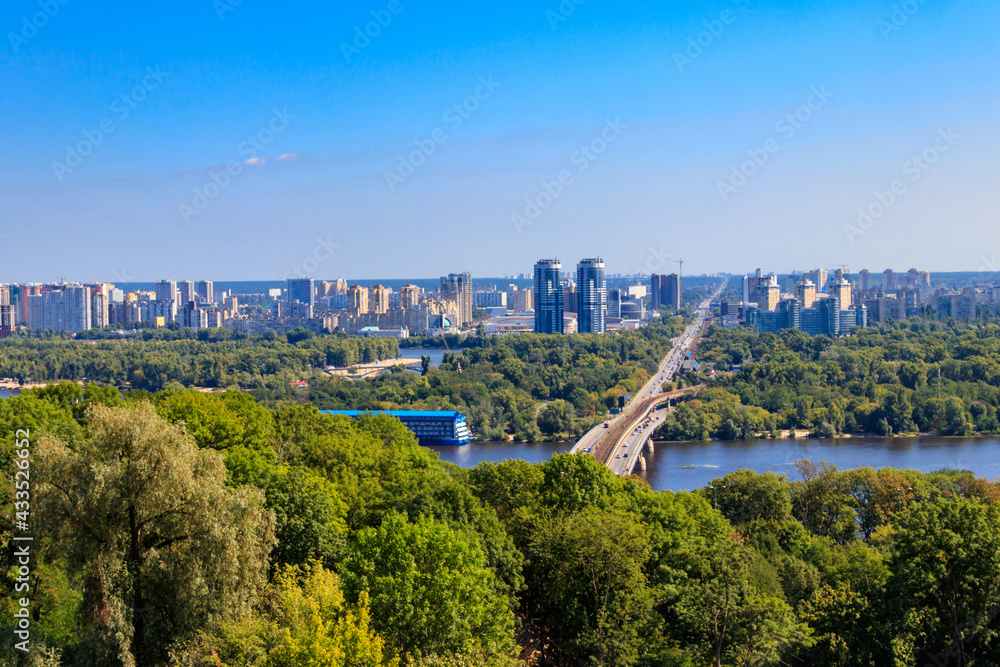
(897, 378)
(181, 528)
(529, 387)
(208, 358)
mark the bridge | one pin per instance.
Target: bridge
(619, 446)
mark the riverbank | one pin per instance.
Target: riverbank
(13, 385)
(804, 434)
(692, 465)
(372, 369)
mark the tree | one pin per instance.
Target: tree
(589, 588)
(321, 628)
(309, 516)
(556, 417)
(167, 548)
(308, 622)
(744, 496)
(946, 567)
(431, 592)
(571, 483)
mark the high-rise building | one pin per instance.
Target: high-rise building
(865, 280)
(379, 299)
(64, 309)
(768, 297)
(548, 297)
(206, 291)
(658, 286)
(165, 309)
(166, 290)
(672, 291)
(888, 280)
(99, 317)
(524, 300)
(185, 292)
(569, 297)
(458, 288)
(615, 303)
(357, 300)
(591, 295)
(409, 297)
(302, 290)
(914, 278)
(842, 290)
(818, 277)
(805, 292)
(6, 313)
(752, 287)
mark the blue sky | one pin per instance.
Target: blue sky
(314, 138)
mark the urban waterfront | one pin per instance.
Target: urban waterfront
(691, 465)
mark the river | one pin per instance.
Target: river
(436, 354)
(685, 466)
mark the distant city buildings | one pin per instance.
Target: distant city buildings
(867, 298)
(457, 287)
(378, 298)
(831, 302)
(6, 313)
(302, 290)
(166, 290)
(66, 308)
(357, 300)
(592, 296)
(666, 291)
(548, 297)
(185, 292)
(206, 292)
(409, 297)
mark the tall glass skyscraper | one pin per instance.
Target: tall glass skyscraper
(302, 290)
(591, 296)
(548, 297)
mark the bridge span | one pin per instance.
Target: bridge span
(619, 446)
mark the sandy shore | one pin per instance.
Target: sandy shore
(372, 369)
(14, 385)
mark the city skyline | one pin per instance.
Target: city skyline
(678, 124)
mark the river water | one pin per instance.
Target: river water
(436, 354)
(684, 466)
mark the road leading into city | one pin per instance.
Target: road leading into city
(618, 444)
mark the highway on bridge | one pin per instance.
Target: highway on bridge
(619, 445)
